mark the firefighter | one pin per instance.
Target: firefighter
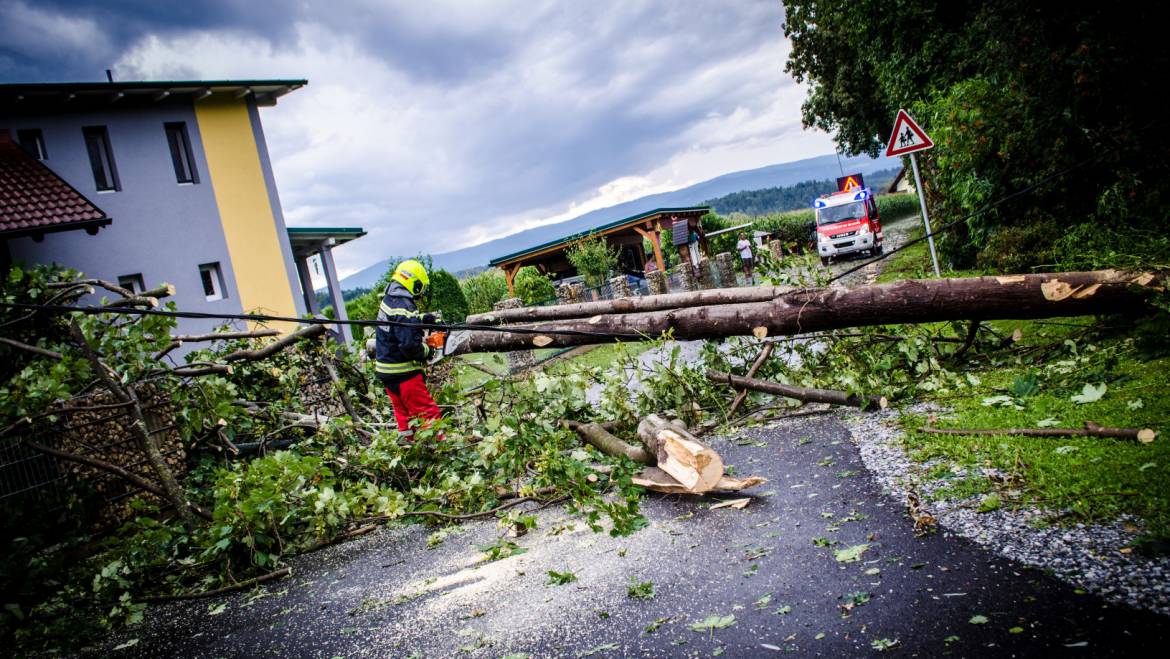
(402, 350)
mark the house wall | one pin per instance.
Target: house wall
(166, 230)
(254, 238)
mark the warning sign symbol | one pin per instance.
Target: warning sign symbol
(907, 137)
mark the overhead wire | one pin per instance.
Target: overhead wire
(309, 320)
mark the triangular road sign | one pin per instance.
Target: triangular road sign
(907, 137)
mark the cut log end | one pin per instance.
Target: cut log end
(1146, 435)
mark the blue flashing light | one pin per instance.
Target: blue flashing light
(861, 195)
(819, 203)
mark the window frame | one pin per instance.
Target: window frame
(101, 158)
(182, 157)
(212, 273)
(133, 283)
(37, 138)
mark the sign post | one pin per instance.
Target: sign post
(908, 138)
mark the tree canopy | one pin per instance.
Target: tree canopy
(1012, 94)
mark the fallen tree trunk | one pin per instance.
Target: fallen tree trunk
(804, 394)
(607, 443)
(765, 352)
(1143, 435)
(812, 310)
(690, 462)
(631, 305)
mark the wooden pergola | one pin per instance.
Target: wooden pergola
(626, 234)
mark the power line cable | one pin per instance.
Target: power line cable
(61, 308)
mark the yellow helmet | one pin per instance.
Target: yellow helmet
(413, 276)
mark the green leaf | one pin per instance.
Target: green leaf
(978, 620)
(598, 649)
(713, 622)
(1090, 394)
(216, 609)
(560, 578)
(128, 644)
(850, 554)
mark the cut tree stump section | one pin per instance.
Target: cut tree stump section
(811, 310)
(1143, 435)
(803, 394)
(690, 462)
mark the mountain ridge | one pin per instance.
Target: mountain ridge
(769, 176)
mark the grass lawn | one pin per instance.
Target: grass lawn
(1087, 479)
(1038, 383)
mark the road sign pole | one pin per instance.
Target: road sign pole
(925, 217)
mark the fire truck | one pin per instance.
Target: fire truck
(847, 221)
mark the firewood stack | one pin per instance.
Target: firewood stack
(95, 426)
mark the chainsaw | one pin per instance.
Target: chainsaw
(446, 343)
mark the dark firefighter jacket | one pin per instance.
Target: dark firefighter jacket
(400, 351)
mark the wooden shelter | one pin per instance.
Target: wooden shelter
(626, 234)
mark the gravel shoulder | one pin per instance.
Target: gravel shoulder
(1091, 557)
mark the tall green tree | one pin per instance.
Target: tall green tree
(1012, 93)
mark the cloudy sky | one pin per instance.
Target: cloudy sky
(439, 124)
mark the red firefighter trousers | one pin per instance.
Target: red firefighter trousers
(411, 400)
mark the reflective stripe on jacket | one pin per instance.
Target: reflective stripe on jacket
(400, 351)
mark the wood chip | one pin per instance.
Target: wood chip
(1013, 279)
(759, 332)
(738, 504)
(541, 340)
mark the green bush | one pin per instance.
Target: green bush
(483, 290)
(594, 259)
(533, 287)
(446, 296)
(1025, 247)
(896, 206)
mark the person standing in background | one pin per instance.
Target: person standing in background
(745, 254)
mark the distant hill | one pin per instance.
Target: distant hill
(789, 197)
(772, 176)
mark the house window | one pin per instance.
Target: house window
(33, 141)
(133, 283)
(101, 158)
(180, 144)
(212, 281)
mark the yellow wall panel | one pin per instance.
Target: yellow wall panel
(242, 197)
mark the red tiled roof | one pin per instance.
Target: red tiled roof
(34, 200)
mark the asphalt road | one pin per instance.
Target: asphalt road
(773, 566)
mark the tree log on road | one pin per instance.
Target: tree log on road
(631, 305)
(803, 394)
(810, 310)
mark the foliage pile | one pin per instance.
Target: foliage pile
(501, 448)
(1011, 95)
